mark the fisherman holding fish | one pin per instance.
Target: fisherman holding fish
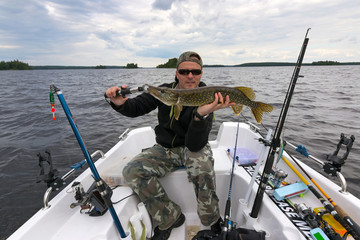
(181, 141)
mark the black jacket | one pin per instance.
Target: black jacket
(170, 132)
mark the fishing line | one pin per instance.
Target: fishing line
(234, 157)
(247, 120)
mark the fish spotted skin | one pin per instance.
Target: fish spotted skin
(205, 95)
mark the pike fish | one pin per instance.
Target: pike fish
(205, 95)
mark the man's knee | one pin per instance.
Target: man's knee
(133, 170)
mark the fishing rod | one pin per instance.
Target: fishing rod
(104, 190)
(335, 210)
(345, 216)
(332, 169)
(276, 139)
(227, 222)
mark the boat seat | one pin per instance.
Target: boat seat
(178, 187)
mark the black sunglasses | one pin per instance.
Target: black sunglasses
(188, 71)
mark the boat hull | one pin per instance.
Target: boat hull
(277, 218)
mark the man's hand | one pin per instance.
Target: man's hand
(217, 104)
(117, 100)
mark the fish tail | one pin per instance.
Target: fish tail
(260, 109)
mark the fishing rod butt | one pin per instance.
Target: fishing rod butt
(263, 182)
(227, 216)
(256, 207)
(354, 226)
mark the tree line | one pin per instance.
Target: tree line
(14, 65)
(171, 63)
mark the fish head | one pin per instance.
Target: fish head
(165, 95)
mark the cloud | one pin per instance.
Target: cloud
(85, 32)
(353, 40)
(9, 46)
(162, 4)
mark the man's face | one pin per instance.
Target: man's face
(189, 80)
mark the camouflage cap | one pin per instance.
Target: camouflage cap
(189, 56)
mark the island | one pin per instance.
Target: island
(14, 65)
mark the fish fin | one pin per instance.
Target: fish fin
(248, 92)
(177, 111)
(258, 111)
(266, 107)
(237, 109)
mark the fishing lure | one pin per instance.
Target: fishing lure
(52, 104)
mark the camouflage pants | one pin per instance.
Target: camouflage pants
(143, 171)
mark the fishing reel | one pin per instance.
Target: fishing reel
(335, 162)
(307, 214)
(278, 177)
(91, 200)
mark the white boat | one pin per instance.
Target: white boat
(278, 218)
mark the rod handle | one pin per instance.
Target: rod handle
(126, 91)
(227, 215)
(354, 226)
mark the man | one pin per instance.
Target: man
(182, 142)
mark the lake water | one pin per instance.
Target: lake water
(325, 104)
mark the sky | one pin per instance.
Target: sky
(149, 32)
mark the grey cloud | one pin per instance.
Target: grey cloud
(159, 52)
(162, 4)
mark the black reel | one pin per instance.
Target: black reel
(91, 200)
(335, 162)
(307, 214)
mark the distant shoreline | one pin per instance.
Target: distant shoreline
(259, 64)
(55, 67)
(23, 66)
